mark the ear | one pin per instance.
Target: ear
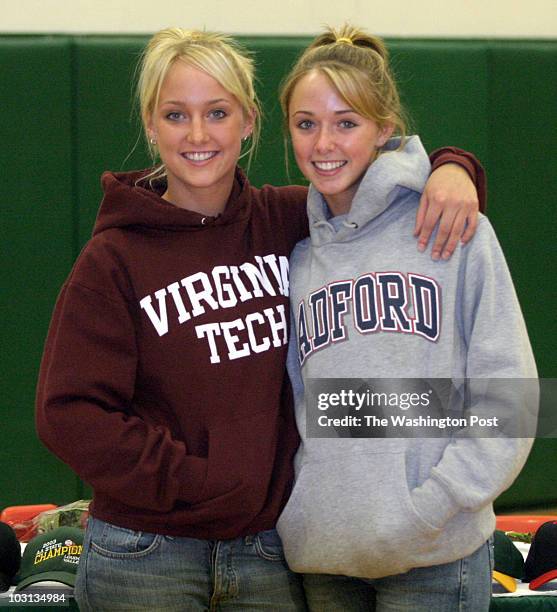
(384, 134)
(149, 127)
(249, 123)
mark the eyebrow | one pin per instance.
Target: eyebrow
(208, 103)
(338, 112)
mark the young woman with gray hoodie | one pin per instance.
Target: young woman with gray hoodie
(389, 523)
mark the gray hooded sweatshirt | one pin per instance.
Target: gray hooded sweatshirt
(367, 304)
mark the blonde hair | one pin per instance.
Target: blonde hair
(357, 65)
(218, 55)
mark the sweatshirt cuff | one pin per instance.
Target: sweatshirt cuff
(466, 160)
(433, 503)
(443, 156)
(194, 476)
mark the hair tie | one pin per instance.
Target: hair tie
(343, 39)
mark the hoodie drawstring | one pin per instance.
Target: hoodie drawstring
(350, 224)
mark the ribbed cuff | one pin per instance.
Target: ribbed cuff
(454, 155)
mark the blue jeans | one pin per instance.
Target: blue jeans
(121, 569)
(460, 586)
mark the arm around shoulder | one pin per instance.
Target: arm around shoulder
(450, 200)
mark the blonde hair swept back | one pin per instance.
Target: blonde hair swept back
(357, 65)
(220, 56)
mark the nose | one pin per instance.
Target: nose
(325, 142)
(198, 133)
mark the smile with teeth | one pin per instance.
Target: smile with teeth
(327, 166)
(199, 156)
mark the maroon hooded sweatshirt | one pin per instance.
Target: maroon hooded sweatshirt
(163, 379)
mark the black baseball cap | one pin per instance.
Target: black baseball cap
(10, 556)
(541, 562)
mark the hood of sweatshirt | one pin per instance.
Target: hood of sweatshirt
(127, 203)
(392, 172)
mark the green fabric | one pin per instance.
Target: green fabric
(523, 604)
(37, 217)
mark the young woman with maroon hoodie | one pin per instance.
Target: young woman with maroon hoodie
(163, 382)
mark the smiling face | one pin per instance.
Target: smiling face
(333, 144)
(198, 126)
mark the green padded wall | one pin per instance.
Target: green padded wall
(67, 117)
(444, 86)
(105, 125)
(522, 168)
(37, 238)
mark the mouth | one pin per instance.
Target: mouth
(199, 157)
(328, 167)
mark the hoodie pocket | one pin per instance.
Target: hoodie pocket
(240, 465)
(352, 515)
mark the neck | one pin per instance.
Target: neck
(340, 204)
(209, 201)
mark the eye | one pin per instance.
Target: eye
(174, 116)
(306, 124)
(218, 113)
(347, 124)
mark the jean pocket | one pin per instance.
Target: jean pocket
(268, 545)
(120, 543)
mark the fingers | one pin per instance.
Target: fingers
(445, 234)
(454, 226)
(450, 200)
(472, 226)
(431, 216)
(447, 248)
(420, 215)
